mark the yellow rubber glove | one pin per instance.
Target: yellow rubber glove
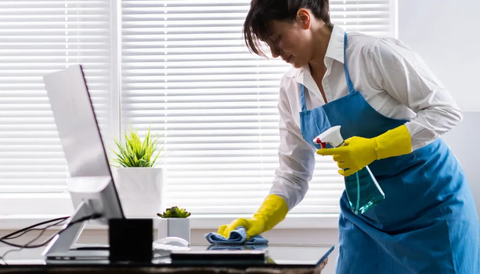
(273, 211)
(358, 152)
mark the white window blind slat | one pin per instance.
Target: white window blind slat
(187, 73)
(36, 38)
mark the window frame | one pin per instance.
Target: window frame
(20, 205)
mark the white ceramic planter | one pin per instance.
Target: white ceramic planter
(141, 190)
(174, 227)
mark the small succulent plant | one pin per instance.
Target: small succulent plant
(174, 212)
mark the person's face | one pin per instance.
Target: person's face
(291, 41)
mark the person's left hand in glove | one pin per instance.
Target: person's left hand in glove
(358, 152)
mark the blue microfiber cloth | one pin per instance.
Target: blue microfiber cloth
(237, 247)
(237, 236)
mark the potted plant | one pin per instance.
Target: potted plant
(174, 223)
(139, 183)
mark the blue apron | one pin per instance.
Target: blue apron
(426, 224)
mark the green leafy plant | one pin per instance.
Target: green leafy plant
(134, 153)
(174, 212)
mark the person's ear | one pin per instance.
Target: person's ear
(304, 18)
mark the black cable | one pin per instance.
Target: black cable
(21, 234)
(27, 229)
(93, 216)
(30, 228)
(34, 239)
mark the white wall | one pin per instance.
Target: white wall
(446, 33)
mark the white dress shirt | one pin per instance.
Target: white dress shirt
(390, 76)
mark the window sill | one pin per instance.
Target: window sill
(293, 221)
(296, 221)
(27, 209)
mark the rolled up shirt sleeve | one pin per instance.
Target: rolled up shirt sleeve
(404, 75)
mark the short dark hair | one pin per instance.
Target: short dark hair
(262, 13)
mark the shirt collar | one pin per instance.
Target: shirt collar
(336, 44)
(334, 51)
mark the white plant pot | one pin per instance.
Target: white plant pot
(141, 190)
(174, 227)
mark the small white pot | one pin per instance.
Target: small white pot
(141, 190)
(174, 227)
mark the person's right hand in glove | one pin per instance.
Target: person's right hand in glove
(273, 211)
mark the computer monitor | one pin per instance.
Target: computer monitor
(90, 182)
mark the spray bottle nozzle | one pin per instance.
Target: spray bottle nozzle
(331, 136)
(322, 144)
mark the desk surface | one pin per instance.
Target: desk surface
(285, 255)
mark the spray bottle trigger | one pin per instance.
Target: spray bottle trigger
(322, 144)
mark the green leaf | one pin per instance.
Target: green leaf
(174, 212)
(135, 153)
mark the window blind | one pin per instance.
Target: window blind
(36, 38)
(187, 74)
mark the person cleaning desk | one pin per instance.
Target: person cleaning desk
(392, 110)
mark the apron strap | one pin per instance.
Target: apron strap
(302, 96)
(351, 89)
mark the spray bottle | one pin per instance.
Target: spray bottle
(362, 189)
